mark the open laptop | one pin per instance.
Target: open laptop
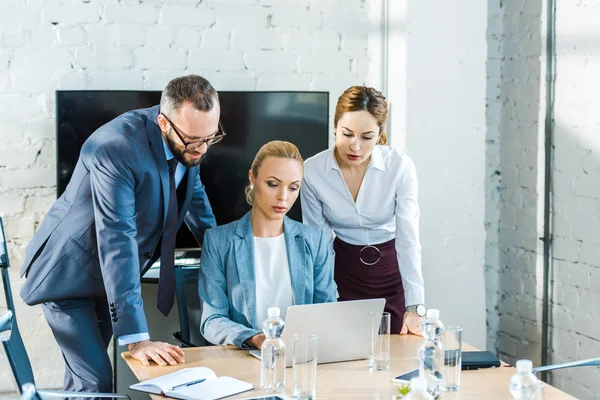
(343, 329)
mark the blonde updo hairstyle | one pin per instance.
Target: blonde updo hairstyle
(275, 148)
(363, 98)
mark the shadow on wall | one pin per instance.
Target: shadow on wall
(514, 179)
(575, 292)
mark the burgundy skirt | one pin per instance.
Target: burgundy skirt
(376, 276)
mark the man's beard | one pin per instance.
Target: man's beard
(180, 154)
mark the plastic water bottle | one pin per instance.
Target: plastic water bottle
(431, 354)
(524, 384)
(272, 353)
(418, 390)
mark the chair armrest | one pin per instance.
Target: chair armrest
(592, 362)
(59, 394)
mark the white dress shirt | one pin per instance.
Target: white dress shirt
(272, 277)
(179, 172)
(386, 208)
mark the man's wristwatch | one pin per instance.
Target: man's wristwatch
(417, 308)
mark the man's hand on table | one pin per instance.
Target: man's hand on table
(160, 352)
(256, 340)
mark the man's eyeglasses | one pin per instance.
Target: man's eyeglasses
(194, 145)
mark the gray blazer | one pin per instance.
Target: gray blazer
(100, 235)
(226, 283)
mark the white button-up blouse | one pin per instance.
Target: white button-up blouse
(386, 208)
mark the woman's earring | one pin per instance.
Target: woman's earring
(251, 187)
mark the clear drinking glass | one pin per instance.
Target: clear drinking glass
(304, 366)
(379, 356)
(452, 345)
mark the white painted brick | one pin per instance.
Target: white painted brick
(561, 319)
(216, 61)
(588, 347)
(508, 345)
(41, 129)
(296, 18)
(271, 61)
(283, 82)
(26, 82)
(5, 58)
(229, 16)
(586, 185)
(302, 41)
(188, 38)
(253, 39)
(116, 80)
(101, 35)
(280, 3)
(27, 178)
(43, 37)
(234, 2)
(217, 38)
(176, 15)
(337, 5)
(18, 156)
(10, 203)
(12, 36)
(46, 155)
(39, 204)
(315, 63)
(140, 14)
(130, 36)
(102, 57)
(341, 20)
(232, 80)
(566, 249)
(19, 107)
(33, 60)
(71, 80)
(71, 36)
(590, 253)
(21, 14)
(586, 325)
(170, 59)
(18, 227)
(160, 37)
(72, 14)
(157, 80)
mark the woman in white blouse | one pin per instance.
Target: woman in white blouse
(366, 193)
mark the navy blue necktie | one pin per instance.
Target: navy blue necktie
(166, 282)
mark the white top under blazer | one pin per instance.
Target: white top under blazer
(386, 208)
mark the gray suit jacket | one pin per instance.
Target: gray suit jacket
(226, 284)
(100, 235)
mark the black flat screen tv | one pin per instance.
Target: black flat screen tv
(250, 120)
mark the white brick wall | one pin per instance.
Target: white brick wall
(513, 220)
(576, 303)
(127, 44)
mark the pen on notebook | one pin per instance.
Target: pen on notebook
(187, 384)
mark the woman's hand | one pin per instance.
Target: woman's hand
(411, 323)
(256, 340)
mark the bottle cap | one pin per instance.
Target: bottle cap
(273, 311)
(433, 313)
(418, 384)
(524, 365)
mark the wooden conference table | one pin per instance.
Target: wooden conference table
(344, 380)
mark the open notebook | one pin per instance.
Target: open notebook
(199, 383)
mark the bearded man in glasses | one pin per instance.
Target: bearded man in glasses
(137, 179)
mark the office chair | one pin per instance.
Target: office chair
(188, 306)
(21, 367)
(592, 362)
(29, 392)
(4, 264)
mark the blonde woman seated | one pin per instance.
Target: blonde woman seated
(264, 259)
